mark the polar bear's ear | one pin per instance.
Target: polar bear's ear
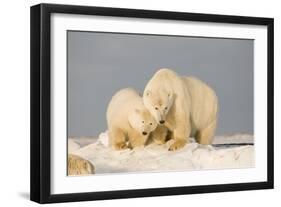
(147, 93)
(170, 95)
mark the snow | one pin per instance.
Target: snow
(234, 139)
(155, 157)
(73, 145)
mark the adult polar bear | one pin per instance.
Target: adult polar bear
(185, 105)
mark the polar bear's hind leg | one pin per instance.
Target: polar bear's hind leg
(206, 135)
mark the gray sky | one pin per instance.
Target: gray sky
(99, 64)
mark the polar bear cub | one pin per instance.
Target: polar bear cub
(184, 105)
(129, 122)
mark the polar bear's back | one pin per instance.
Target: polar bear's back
(121, 103)
(164, 78)
(203, 101)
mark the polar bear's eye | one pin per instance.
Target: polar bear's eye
(166, 108)
(143, 122)
(150, 123)
(156, 108)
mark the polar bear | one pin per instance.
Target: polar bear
(185, 105)
(129, 122)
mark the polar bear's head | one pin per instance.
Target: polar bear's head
(158, 102)
(142, 121)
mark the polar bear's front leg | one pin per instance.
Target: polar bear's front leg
(159, 135)
(117, 139)
(178, 143)
(136, 139)
(181, 135)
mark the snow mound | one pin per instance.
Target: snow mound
(73, 145)
(157, 157)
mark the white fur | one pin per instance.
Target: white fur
(177, 100)
(204, 106)
(128, 119)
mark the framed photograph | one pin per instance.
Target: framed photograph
(133, 103)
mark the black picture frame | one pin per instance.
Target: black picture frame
(41, 103)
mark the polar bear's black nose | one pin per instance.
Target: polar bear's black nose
(144, 133)
(161, 121)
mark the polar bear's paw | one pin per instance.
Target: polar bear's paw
(120, 146)
(178, 144)
(159, 141)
